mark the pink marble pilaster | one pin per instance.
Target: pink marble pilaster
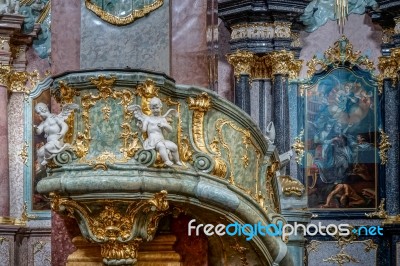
(64, 229)
(65, 35)
(4, 174)
(189, 42)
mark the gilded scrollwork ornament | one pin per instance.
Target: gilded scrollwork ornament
(341, 52)
(298, 147)
(291, 186)
(117, 225)
(24, 153)
(384, 146)
(381, 213)
(119, 13)
(147, 90)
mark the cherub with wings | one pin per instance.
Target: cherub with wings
(54, 129)
(154, 125)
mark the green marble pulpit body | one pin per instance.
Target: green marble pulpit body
(228, 170)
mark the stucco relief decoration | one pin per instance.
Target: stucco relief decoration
(54, 129)
(317, 13)
(122, 12)
(154, 125)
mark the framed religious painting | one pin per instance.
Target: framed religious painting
(341, 126)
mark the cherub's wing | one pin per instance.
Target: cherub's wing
(170, 113)
(66, 110)
(137, 112)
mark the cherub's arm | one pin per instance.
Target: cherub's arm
(39, 128)
(164, 124)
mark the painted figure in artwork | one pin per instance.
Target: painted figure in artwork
(154, 125)
(54, 129)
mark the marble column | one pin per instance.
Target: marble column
(4, 177)
(280, 115)
(242, 61)
(5, 53)
(391, 128)
(242, 92)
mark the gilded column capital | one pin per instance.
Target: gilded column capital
(284, 63)
(242, 62)
(389, 66)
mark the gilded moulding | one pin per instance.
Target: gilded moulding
(341, 52)
(25, 217)
(184, 150)
(129, 139)
(381, 213)
(384, 146)
(242, 62)
(119, 226)
(246, 141)
(272, 198)
(291, 186)
(119, 20)
(200, 105)
(298, 147)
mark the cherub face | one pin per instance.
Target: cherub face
(155, 109)
(42, 110)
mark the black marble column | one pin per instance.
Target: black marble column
(280, 115)
(264, 108)
(391, 128)
(242, 92)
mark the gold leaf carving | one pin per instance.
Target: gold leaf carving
(119, 21)
(341, 52)
(341, 258)
(291, 186)
(242, 62)
(24, 153)
(147, 90)
(298, 147)
(384, 146)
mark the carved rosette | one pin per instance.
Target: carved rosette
(242, 62)
(118, 226)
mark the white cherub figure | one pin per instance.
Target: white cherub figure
(154, 125)
(54, 129)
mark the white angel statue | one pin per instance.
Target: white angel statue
(54, 129)
(154, 125)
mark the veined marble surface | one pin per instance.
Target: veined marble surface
(142, 44)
